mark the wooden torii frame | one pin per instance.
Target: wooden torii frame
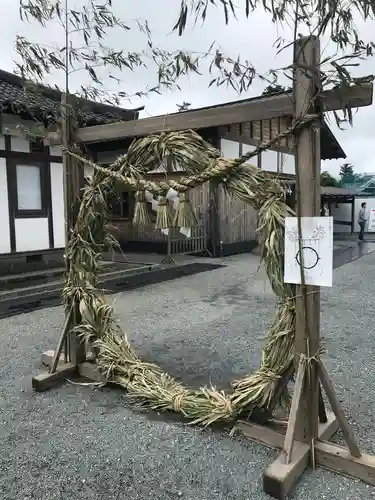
(305, 439)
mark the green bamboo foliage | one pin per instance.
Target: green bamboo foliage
(145, 382)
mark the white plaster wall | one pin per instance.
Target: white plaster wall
(287, 164)
(343, 211)
(55, 151)
(269, 161)
(254, 160)
(57, 195)
(230, 149)
(4, 210)
(31, 234)
(20, 144)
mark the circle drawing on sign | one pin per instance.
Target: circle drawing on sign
(310, 257)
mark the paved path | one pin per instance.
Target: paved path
(82, 443)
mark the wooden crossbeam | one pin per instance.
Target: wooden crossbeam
(261, 108)
(338, 459)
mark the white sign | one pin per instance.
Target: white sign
(371, 221)
(151, 199)
(317, 251)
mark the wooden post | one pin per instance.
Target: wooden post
(353, 215)
(213, 207)
(72, 188)
(280, 476)
(306, 88)
(305, 439)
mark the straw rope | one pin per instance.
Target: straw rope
(145, 382)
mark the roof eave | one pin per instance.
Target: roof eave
(334, 151)
(55, 96)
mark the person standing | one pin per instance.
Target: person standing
(362, 219)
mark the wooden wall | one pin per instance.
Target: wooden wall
(238, 220)
(261, 131)
(127, 231)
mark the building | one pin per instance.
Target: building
(31, 174)
(226, 225)
(32, 200)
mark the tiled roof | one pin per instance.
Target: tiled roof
(46, 103)
(337, 191)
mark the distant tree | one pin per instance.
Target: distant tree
(347, 172)
(326, 179)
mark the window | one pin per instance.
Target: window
(37, 146)
(29, 190)
(152, 211)
(120, 205)
(270, 161)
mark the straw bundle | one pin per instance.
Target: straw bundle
(163, 214)
(145, 382)
(141, 213)
(184, 215)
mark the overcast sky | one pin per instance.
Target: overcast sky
(252, 39)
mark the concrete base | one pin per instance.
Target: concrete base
(47, 357)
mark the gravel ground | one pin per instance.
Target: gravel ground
(83, 443)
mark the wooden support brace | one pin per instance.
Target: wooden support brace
(280, 477)
(294, 409)
(45, 380)
(62, 341)
(86, 369)
(282, 385)
(338, 411)
(272, 438)
(321, 409)
(338, 459)
(261, 434)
